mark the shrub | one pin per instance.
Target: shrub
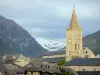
(61, 62)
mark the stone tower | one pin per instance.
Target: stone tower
(73, 39)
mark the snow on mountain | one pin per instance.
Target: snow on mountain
(49, 44)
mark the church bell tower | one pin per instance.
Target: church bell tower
(73, 39)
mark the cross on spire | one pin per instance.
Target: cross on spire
(73, 4)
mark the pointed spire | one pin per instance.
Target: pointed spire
(74, 22)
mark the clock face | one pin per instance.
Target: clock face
(69, 41)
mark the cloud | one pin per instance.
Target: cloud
(49, 18)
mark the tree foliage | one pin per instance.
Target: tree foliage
(61, 62)
(67, 73)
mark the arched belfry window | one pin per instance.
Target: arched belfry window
(75, 46)
(78, 46)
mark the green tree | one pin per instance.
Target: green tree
(65, 72)
(61, 62)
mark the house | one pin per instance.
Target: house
(41, 69)
(17, 59)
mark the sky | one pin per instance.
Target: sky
(50, 18)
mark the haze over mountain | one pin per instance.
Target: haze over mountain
(15, 39)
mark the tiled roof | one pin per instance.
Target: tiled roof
(31, 67)
(14, 68)
(2, 67)
(41, 67)
(37, 60)
(84, 62)
(84, 48)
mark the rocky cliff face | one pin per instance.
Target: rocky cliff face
(15, 39)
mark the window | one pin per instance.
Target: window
(78, 46)
(41, 66)
(94, 69)
(31, 72)
(25, 72)
(48, 67)
(86, 52)
(79, 40)
(75, 46)
(83, 69)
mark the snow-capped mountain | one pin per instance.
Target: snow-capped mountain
(49, 44)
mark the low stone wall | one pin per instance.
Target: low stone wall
(88, 73)
(84, 68)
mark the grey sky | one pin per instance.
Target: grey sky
(49, 18)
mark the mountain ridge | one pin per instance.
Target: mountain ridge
(17, 35)
(14, 36)
(91, 41)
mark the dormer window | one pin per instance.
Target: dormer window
(48, 67)
(41, 66)
(86, 52)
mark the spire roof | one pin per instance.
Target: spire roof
(74, 22)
